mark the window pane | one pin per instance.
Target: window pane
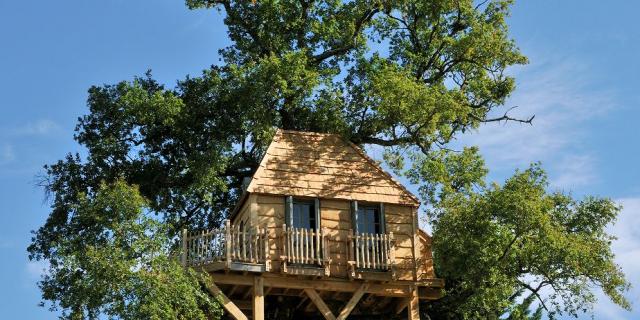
(368, 219)
(303, 215)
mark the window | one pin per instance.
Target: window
(303, 214)
(368, 218)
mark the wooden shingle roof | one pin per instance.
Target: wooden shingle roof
(324, 166)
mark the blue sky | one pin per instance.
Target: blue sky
(581, 84)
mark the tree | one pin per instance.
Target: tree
(508, 250)
(405, 75)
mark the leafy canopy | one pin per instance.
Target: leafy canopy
(409, 76)
(114, 261)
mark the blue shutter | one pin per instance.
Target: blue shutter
(383, 221)
(288, 211)
(354, 215)
(316, 207)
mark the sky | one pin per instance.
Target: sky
(581, 84)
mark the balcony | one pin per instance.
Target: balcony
(299, 251)
(227, 248)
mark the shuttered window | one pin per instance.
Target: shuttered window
(368, 218)
(302, 213)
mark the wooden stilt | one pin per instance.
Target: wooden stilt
(402, 304)
(353, 302)
(258, 298)
(414, 310)
(317, 300)
(228, 305)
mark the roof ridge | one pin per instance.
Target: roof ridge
(308, 133)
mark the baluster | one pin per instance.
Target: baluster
(385, 263)
(238, 244)
(290, 240)
(367, 244)
(300, 253)
(358, 250)
(375, 250)
(306, 245)
(296, 245)
(299, 244)
(318, 246)
(312, 244)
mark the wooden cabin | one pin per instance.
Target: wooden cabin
(323, 225)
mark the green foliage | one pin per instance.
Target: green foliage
(518, 240)
(406, 75)
(113, 260)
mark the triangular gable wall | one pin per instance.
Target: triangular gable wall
(324, 166)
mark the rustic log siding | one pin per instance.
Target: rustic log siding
(324, 166)
(310, 165)
(335, 216)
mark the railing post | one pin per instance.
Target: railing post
(227, 241)
(267, 260)
(285, 249)
(183, 258)
(325, 252)
(352, 262)
(392, 255)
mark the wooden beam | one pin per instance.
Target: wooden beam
(402, 304)
(353, 302)
(317, 300)
(302, 301)
(391, 290)
(381, 305)
(228, 305)
(247, 293)
(233, 290)
(258, 298)
(414, 310)
(243, 304)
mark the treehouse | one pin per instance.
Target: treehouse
(320, 227)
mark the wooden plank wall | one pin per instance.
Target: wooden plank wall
(336, 217)
(245, 214)
(321, 165)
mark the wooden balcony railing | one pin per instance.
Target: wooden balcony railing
(301, 250)
(229, 245)
(304, 246)
(371, 252)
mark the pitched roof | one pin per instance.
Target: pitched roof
(325, 166)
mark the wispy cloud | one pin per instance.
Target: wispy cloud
(563, 99)
(38, 127)
(627, 251)
(7, 154)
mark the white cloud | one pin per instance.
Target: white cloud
(562, 98)
(627, 251)
(39, 127)
(579, 170)
(7, 154)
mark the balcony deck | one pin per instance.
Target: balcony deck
(240, 263)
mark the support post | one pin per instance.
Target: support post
(227, 242)
(185, 248)
(228, 305)
(346, 311)
(413, 307)
(317, 300)
(267, 257)
(258, 298)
